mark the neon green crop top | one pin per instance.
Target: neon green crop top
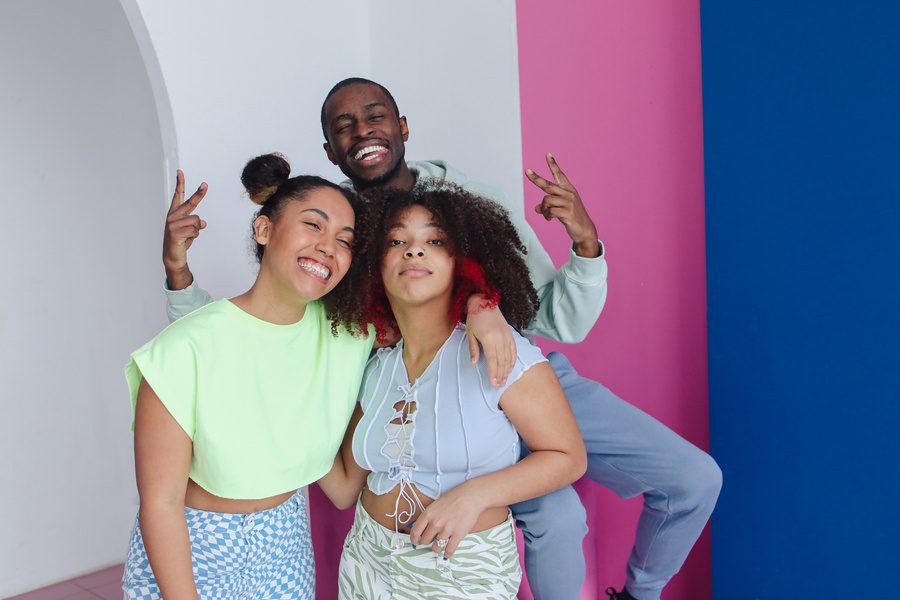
(265, 405)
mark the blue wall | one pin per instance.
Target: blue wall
(802, 156)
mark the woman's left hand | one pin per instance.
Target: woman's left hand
(451, 517)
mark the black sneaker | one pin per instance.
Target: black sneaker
(623, 595)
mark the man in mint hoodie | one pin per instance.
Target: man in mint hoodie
(629, 452)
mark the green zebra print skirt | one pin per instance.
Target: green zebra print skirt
(381, 564)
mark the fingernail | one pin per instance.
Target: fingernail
(414, 546)
(529, 171)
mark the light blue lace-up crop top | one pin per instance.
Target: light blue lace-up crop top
(441, 430)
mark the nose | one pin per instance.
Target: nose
(420, 253)
(326, 245)
(363, 129)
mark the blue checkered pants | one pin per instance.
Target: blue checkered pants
(258, 555)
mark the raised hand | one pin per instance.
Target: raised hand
(182, 227)
(564, 203)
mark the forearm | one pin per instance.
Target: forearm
(571, 299)
(572, 296)
(537, 474)
(166, 539)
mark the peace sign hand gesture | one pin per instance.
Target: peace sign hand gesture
(182, 227)
(563, 202)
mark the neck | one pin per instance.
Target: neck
(268, 305)
(424, 329)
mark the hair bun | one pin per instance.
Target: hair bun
(262, 176)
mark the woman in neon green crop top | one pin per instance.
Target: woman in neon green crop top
(236, 409)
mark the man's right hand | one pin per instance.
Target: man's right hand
(181, 229)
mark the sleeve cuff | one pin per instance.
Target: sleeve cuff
(182, 302)
(586, 270)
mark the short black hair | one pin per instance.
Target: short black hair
(353, 81)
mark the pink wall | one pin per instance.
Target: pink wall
(613, 90)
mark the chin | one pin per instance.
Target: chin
(373, 180)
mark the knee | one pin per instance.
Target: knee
(712, 477)
(703, 482)
(559, 512)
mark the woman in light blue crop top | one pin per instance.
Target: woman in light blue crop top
(434, 441)
(236, 408)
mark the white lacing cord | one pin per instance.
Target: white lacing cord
(407, 493)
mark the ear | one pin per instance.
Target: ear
(262, 228)
(404, 129)
(330, 154)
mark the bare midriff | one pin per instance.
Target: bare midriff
(196, 497)
(379, 507)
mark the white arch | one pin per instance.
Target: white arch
(82, 170)
(160, 93)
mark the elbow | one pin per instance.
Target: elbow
(344, 501)
(574, 338)
(582, 465)
(153, 510)
(565, 334)
(577, 464)
(344, 497)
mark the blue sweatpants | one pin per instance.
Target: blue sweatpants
(263, 555)
(630, 453)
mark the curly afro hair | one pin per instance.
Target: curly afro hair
(487, 248)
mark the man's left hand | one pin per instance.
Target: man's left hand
(564, 203)
(487, 326)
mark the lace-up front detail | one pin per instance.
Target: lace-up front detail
(427, 437)
(399, 449)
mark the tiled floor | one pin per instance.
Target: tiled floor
(105, 584)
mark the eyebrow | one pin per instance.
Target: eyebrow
(367, 107)
(325, 216)
(427, 226)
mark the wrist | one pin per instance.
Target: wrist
(473, 302)
(474, 494)
(178, 278)
(588, 248)
(479, 301)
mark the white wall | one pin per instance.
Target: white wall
(247, 79)
(80, 162)
(244, 79)
(92, 135)
(454, 71)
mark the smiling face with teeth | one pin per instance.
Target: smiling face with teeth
(308, 248)
(366, 137)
